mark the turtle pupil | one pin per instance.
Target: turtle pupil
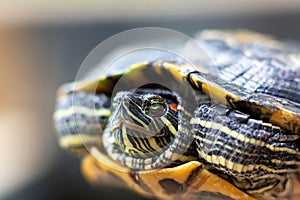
(156, 108)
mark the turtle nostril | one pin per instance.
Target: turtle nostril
(126, 99)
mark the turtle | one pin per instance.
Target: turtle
(171, 131)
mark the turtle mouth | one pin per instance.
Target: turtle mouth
(122, 123)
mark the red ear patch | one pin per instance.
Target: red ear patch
(173, 106)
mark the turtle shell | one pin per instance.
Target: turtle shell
(187, 181)
(257, 75)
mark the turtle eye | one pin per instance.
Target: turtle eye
(155, 107)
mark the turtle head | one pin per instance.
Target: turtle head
(144, 114)
(142, 123)
(146, 131)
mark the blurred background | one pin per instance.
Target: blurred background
(43, 43)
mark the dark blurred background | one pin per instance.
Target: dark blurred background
(42, 46)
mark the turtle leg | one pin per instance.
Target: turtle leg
(256, 154)
(79, 119)
(276, 110)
